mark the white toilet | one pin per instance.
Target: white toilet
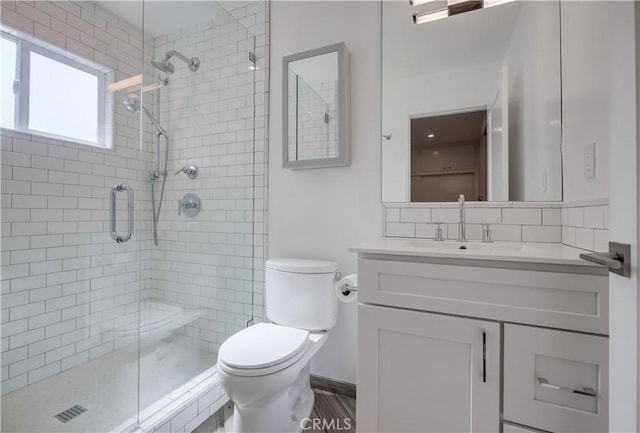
(264, 369)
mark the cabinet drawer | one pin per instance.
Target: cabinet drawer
(550, 299)
(508, 427)
(548, 376)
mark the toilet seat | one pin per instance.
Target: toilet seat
(262, 349)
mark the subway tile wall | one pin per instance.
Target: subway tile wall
(509, 221)
(208, 260)
(586, 224)
(65, 283)
(312, 134)
(579, 224)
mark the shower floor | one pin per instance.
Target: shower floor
(107, 387)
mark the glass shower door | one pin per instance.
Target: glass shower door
(75, 254)
(201, 92)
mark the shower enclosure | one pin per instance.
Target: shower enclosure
(132, 208)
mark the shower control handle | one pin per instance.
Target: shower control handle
(114, 192)
(189, 205)
(190, 170)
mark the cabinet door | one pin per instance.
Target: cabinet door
(422, 372)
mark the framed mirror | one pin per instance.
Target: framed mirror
(316, 108)
(471, 102)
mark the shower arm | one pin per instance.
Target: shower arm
(174, 53)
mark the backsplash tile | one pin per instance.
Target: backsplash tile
(509, 221)
(585, 224)
(581, 224)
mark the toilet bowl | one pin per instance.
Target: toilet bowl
(265, 369)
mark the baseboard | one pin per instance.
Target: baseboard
(334, 386)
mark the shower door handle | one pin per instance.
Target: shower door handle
(114, 192)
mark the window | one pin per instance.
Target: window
(47, 93)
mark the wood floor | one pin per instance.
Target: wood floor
(337, 411)
(331, 414)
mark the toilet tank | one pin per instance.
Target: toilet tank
(300, 293)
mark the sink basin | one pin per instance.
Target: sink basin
(473, 247)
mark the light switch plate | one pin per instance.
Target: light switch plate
(590, 160)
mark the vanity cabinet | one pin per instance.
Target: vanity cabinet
(481, 346)
(423, 372)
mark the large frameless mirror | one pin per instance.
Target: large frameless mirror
(316, 108)
(471, 103)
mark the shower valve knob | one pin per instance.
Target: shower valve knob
(189, 205)
(190, 170)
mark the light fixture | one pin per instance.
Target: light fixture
(437, 9)
(419, 2)
(431, 136)
(430, 16)
(490, 3)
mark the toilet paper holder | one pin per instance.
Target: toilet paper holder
(348, 288)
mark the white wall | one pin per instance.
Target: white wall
(320, 213)
(533, 61)
(586, 59)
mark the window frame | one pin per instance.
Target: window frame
(24, 48)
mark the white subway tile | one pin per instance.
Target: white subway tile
(44, 346)
(32, 13)
(26, 338)
(60, 353)
(18, 22)
(522, 216)
(594, 216)
(408, 215)
(43, 372)
(547, 234)
(445, 215)
(576, 217)
(585, 238)
(26, 365)
(483, 215)
(506, 233)
(27, 310)
(601, 240)
(38, 321)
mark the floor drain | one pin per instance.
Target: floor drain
(71, 413)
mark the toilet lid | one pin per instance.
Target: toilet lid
(263, 345)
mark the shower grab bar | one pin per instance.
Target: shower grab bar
(114, 192)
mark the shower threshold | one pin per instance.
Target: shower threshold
(173, 379)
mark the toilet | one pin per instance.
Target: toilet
(265, 369)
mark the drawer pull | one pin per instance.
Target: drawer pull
(584, 391)
(484, 356)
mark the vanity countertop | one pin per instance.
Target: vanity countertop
(528, 252)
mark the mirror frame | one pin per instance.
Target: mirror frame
(343, 110)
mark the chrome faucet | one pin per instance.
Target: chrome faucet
(462, 236)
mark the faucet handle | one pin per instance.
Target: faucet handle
(439, 236)
(190, 170)
(486, 233)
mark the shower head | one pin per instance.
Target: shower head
(163, 65)
(133, 105)
(167, 67)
